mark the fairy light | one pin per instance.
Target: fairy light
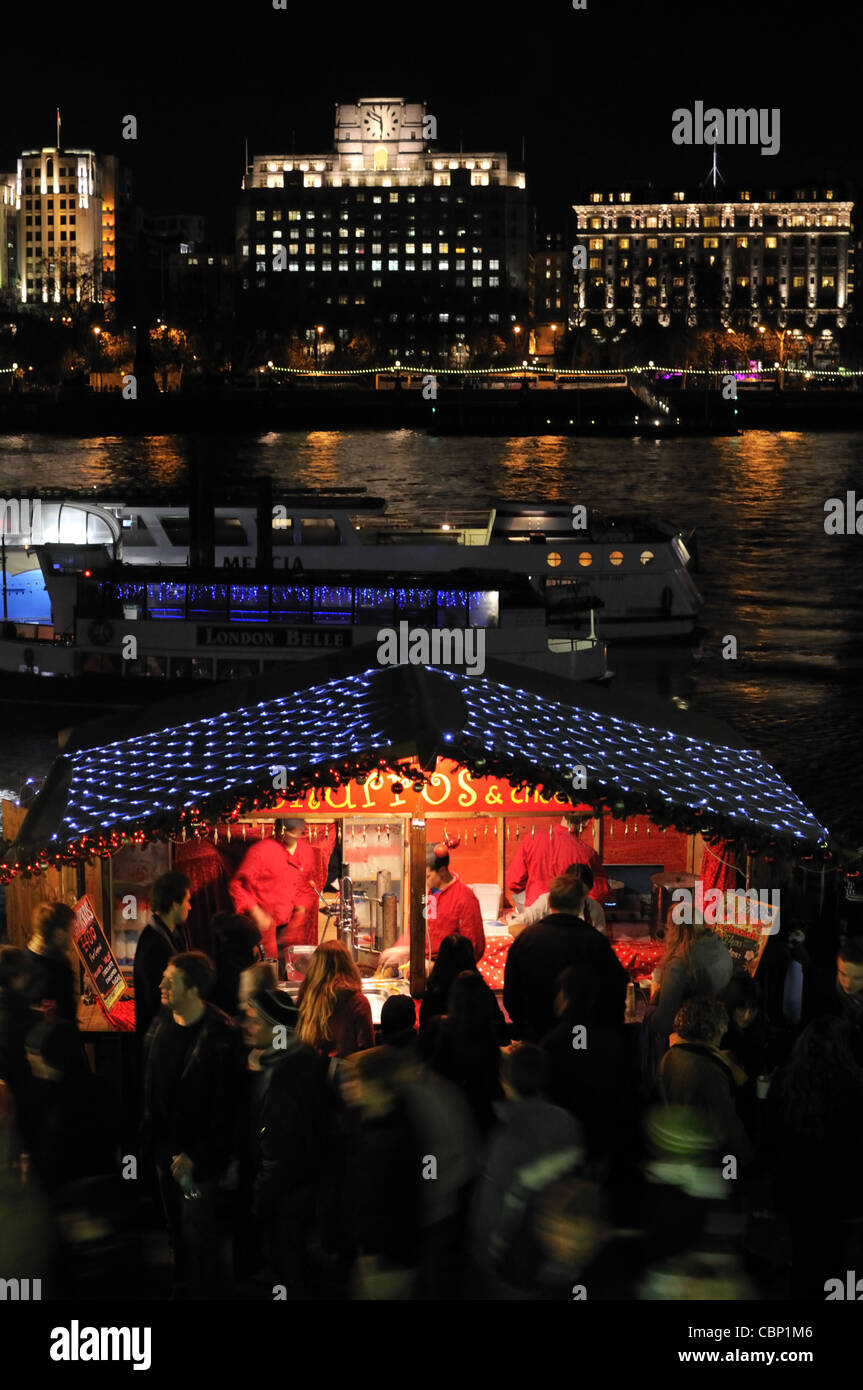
(179, 780)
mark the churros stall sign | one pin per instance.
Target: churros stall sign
(451, 789)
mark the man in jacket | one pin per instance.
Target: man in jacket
(289, 1112)
(542, 857)
(541, 953)
(193, 1092)
(164, 936)
(276, 885)
(694, 1074)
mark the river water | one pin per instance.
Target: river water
(772, 578)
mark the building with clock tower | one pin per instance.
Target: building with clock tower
(385, 236)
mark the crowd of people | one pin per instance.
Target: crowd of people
(551, 1151)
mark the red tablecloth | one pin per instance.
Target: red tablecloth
(640, 958)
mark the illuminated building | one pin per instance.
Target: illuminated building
(384, 234)
(742, 260)
(8, 234)
(66, 226)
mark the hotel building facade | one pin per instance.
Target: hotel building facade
(384, 235)
(739, 261)
(66, 227)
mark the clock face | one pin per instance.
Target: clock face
(381, 122)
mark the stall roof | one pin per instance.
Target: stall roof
(139, 769)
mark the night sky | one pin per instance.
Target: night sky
(592, 91)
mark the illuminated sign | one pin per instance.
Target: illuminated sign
(451, 789)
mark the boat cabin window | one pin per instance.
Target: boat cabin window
(176, 528)
(318, 530)
(229, 530)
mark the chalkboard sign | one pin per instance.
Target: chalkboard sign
(96, 955)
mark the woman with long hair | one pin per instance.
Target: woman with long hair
(455, 956)
(467, 1046)
(335, 1016)
(695, 961)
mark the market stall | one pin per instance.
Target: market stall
(382, 763)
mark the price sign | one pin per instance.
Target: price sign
(96, 955)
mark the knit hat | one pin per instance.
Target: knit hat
(276, 1007)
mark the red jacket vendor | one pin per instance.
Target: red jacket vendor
(451, 907)
(542, 857)
(276, 886)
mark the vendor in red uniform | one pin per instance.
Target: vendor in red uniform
(276, 886)
(542, 857)
(451, 907)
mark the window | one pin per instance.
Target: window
(260, 215)
(595, 243)
(652, 243)
(710, 221)
(392, 265)
(828, 282)
(770, 243)
(742, 243)
(797, 282)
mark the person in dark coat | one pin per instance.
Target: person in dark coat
(536, 1143)
(591, 1071)
(16, 1020)
(383, 1178)
(164, 936)
(237, 948)
(52, 980)
(540, 954)
(194, 1087)
(467, 1050)
(694, 1075)
(290, 1114)
(814, 1139)
(76, 1134)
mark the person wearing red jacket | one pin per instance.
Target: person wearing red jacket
(542, 857)
(276, 885)
(451, 907)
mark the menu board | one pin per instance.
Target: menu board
(96, 955)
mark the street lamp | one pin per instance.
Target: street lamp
(318, 334)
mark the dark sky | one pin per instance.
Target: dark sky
(591, 91)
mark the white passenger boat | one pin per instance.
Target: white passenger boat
(635, 570)
(78, 603)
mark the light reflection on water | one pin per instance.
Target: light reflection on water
(791, 595)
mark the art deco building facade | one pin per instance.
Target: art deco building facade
(66, 226)
(736, 261)
(385, 235)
